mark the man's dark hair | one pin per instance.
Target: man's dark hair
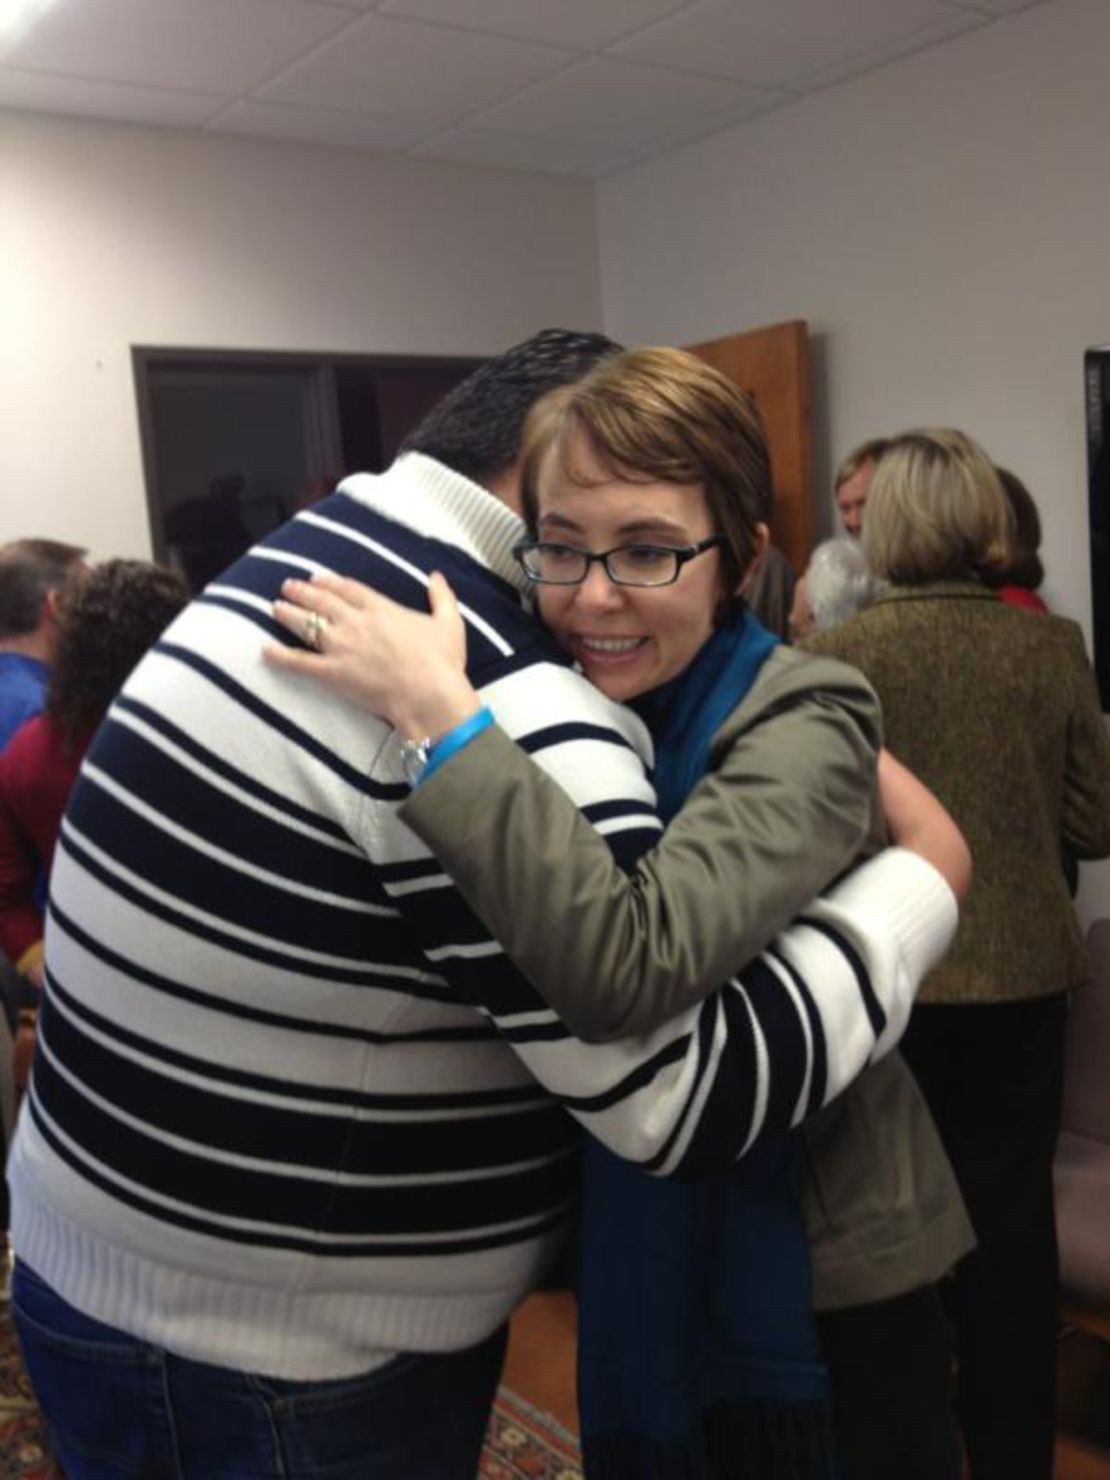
(476, 428)
(29, 571)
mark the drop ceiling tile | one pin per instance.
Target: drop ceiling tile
(116, 100)
(345, 129)
(993, 7)
(414, 70)
(779, 43)
(223, 46)
(890, 51)
(581, 23)
(624, 104)
(471, 145)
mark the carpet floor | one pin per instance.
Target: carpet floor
(24, 1444)
(524, 1444)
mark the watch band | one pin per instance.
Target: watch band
(419, 758)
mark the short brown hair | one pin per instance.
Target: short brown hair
(866, 452)
(663, 414)
(936, 510)
(29, 571)
(1025, 569)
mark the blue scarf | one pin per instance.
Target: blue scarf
(698, 1352)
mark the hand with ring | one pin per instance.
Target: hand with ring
(315, 625)
(407, 666)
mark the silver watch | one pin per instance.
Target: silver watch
(414, 758)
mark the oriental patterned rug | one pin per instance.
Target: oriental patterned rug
(24, 1445)
(522, 1443)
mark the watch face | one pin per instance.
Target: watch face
(414, 758)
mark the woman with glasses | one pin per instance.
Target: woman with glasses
(698, 1348)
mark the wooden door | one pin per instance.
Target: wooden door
(772, 365)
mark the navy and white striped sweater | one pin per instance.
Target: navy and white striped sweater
(291, 1107)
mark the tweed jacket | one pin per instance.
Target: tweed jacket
(790, 777)
(997, 712)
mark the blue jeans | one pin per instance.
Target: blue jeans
(118, 1407)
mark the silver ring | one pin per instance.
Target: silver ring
(315, 625)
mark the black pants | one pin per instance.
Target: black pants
(992, 1074)
(893, 1398)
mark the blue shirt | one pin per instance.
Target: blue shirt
(22, 692)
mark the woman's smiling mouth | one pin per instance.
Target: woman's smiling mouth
(608, 649)
(597, 651)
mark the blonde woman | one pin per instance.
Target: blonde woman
(999, 716)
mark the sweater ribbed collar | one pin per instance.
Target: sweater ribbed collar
(435, 501)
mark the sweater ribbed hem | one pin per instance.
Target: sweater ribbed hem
(277, 1330)
(913, 913)
(914, 908)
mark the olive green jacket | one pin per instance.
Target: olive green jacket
(996, 710)
(788, 802)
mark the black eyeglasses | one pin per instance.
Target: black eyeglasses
(627, 565)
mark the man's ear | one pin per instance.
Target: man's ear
(506, 486)
(762, 540)
(51, 603)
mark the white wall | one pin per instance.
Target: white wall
(943, 224)
(113, 236)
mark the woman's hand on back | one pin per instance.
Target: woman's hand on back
(409, 667)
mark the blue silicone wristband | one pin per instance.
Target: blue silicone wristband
(457, 739)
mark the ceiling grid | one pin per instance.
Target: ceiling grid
(579, 87)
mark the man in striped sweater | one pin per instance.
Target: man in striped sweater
(298, 1136)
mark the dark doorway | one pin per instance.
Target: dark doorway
(234, 443)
